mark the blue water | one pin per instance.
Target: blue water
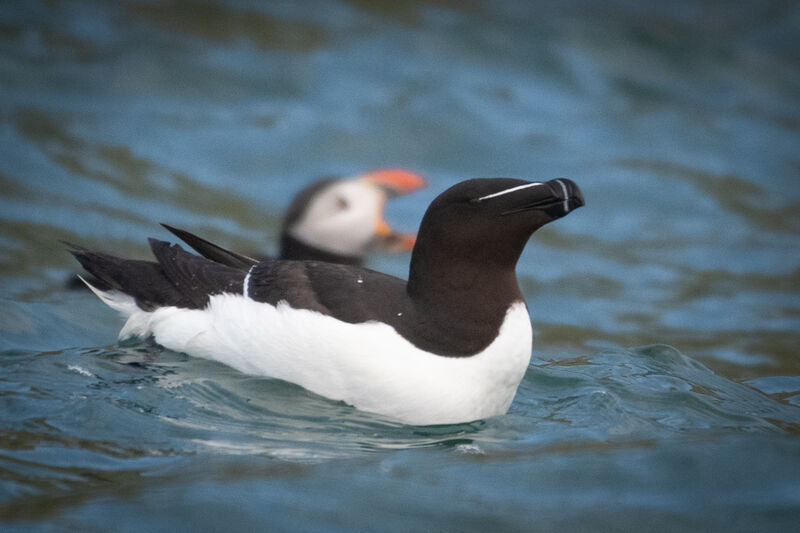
(664, 388)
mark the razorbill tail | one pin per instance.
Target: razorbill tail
(450, 345)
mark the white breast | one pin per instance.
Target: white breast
(369, 365)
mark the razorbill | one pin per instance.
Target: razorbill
(450, 345)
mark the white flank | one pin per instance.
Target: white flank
(512, 189)
(368, 365)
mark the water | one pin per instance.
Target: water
(664, 389)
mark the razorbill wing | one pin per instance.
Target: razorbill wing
(449, 345)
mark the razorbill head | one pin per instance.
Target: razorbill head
(449, 345)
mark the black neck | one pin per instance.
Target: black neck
(452, 284)
(441, 266)
(458, 305)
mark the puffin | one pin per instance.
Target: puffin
(448, 345)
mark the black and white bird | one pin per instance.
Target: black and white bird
(449, 345)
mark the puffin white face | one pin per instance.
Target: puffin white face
(343, 218)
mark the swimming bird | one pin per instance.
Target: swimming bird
(449, 345)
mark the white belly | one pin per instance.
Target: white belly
(369, 365)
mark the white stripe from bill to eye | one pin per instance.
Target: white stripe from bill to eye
(246, 284)
(566, 196)
(512, 189)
